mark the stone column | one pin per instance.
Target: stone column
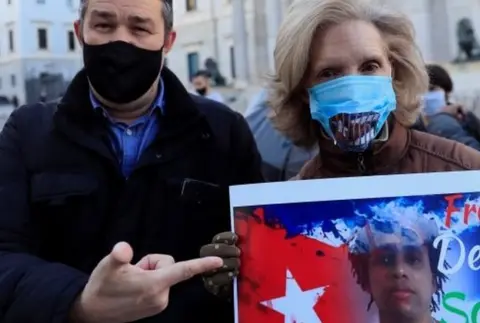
(214, 18)
(273, 10)
(440, 31)
(240, 42)
(262, 53)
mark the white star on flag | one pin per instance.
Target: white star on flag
(297, 305)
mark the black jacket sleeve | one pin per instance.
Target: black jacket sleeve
(472, 125)
(31, 290)
(247, 159)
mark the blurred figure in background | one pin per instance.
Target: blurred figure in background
(201, 84)
(43, 97)
(15, 101)
(281, 159)
(443, 118)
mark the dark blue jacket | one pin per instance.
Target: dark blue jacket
(447, 126)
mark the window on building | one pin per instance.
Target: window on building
(232, 62)
(193, 62)
(13, 80)
(9, 1)
(11, 41)
(42, 38)
(191, 5)
(71, 41)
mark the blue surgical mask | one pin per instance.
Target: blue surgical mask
(433, 102)
(353, 109)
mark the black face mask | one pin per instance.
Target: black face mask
(202, 91)
(121, 72)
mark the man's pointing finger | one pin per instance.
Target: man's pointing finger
(185, 270)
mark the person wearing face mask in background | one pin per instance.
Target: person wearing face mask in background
(109, 193)
(201, 84)
(349, 79)
(441, 117)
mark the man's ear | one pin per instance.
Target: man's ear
(77, 27)
(169, 41)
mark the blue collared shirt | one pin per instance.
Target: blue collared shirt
(130, 141)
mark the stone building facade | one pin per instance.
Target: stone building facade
(211, 28)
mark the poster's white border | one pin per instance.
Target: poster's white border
(350, 189)
(354, 188)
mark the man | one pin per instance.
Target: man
(201, 84)
(394, 260)
(106, 195)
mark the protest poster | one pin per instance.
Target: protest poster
(362, 250)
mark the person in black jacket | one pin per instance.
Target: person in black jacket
(108, 194)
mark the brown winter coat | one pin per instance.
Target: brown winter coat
(405, 151)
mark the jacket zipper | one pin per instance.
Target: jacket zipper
(361, 164)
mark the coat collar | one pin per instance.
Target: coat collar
(76, 119)
(180, 110)
(76, 101)
(332, 162)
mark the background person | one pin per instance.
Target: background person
(15, 101)
(281, 159)
(202, 87)
(443, 118)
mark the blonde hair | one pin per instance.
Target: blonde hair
(287, 91)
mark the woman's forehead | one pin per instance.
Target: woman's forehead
(352, 40)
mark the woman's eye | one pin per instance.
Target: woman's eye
(325, 74)
(371, 67)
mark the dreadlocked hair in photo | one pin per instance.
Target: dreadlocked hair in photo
(360, 270)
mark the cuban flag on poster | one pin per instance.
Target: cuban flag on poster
(363, 250)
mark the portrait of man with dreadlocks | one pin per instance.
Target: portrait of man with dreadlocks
(395, 261)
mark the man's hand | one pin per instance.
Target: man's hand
(120, 292)
(219, 281)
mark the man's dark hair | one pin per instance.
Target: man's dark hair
(167, 13)
(360, 270)
(202, 73)
(440, 77)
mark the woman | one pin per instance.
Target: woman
(349, 79)
(356, 92)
